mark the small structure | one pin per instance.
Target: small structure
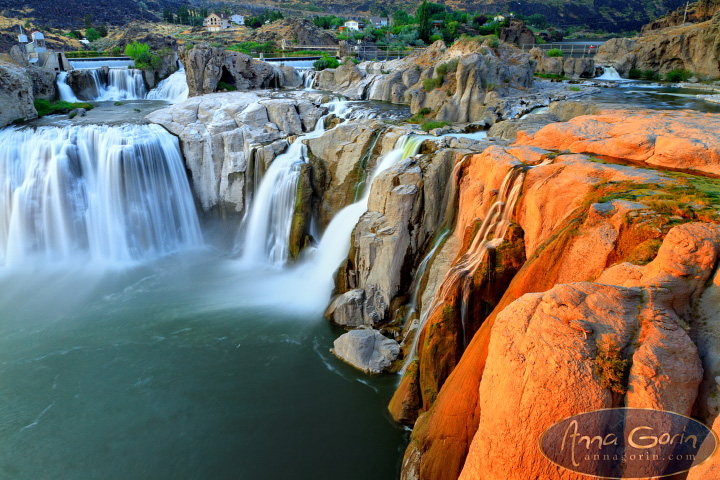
(498, 18)
(38, 43)
(354, 25)
(238, 19)
(216, 22)
(379, 21)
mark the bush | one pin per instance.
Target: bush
(650, 75)
(224, 86)
(424, 111)
(432, 125)
(555, 52)
(635, 73)
(435, 38)
(140, 53)
(116, 51)
(446, 67)
(44, 107)
(326, 62)
(678, 75)
(493, 42)
(430, 84)
(91, 34)
(610, 367)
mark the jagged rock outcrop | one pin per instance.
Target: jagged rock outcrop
(16, 94)
(225, 137)
(696, 12)
(582, 221)
(206, 66)
(84, 83)
(567, 327)
(43, 83)
(517, 32)
(461, 77)
(367, 350)
(568, 67)
(695, 47)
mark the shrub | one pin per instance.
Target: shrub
(326, 62)
(45, 107)
(432, 125)
(678, 75)
(140, 53)
(91, 34)
(650, 75)
(424, 111)
(224, 86)
(430, 84)
(450, 66)
(610, 367)
(435, 38)
(635, 73)
(555, 52)
(575, 89)
(116, 51)
(493, 42)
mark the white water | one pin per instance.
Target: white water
(107, 195)
(66, 92)
(270, 219)
(609, 73)
(173, 89)
(87, 64)
(126, 84)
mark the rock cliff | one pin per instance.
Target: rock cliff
(16, 94)
(694, 47)
(632, 235)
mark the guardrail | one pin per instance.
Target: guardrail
(568, 50)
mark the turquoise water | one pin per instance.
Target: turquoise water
(185, 368)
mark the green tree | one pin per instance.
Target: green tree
(422, 16)
(91, 34)
(88, 21)
(102, 30)
(401, 17)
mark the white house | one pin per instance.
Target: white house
(379, 21)
(216, 22)
(499, 18)
(352, 25)
(238, 19)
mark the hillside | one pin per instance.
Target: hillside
(608, 15)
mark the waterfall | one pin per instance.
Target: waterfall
(173, 89)
(453, 182)
(609, 73)
(491, 231)
(123, 84)
(64, 89)
(308, 77)
(110, 195)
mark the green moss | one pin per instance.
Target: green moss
(44, 107)
(432, 125)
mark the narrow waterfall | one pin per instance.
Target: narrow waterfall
(173, 89)
(450, 211)
(609, 73)
(109, 195)
(492, 229)
(308, 77)
(66, 93)
(265, 238)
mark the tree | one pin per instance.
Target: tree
(479, 20)
(102, 30)
(88, 21)
(91, 34)
(401, 17)
(422, 16)
(142, 6)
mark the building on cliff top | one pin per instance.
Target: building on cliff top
(216, 22)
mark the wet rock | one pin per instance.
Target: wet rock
(367, 350)
(346, 310)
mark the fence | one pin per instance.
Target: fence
(568, 49)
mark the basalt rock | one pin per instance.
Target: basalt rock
(367, 350)
(43, 82)
(692, 47)
(206, 66)
(16, 94)
(517, 32)
(568, 67)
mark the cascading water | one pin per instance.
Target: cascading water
(173, 89)
(442, 235)
(108, 194)
(609, 73)
(270, 219)
(493, 229)
(64, 89)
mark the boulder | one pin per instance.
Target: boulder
(346, 310)
(43, 81)
(367, 350)
(16, 94)
(517, 32)
(206, 66)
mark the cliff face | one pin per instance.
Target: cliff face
(644, 244)
(16, 94)
(457, 84)
(695, 47)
